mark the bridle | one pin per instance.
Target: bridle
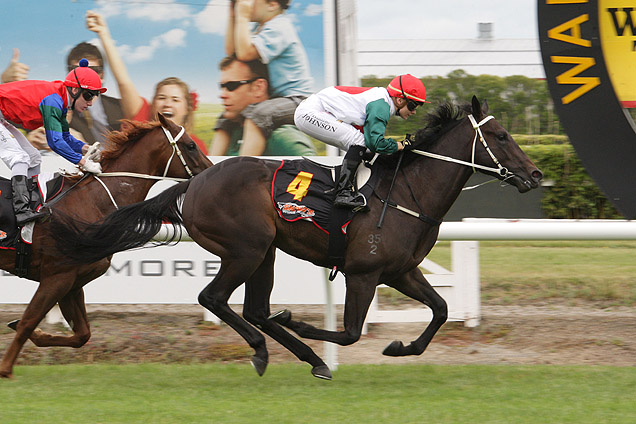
(175, 150)
(500, 170)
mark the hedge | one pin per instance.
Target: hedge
(569, 190)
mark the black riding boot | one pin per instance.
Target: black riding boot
(22, 200)
(347, 195)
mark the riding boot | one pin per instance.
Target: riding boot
(347, 195)
(22, 200)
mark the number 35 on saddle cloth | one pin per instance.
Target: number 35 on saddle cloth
(302, 189)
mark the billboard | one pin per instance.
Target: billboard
(156, 39)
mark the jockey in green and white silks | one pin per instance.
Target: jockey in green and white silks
(354, 119)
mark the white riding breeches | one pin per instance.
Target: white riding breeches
(313, 120)
(15, 149)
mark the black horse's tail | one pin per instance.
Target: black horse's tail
(127, 228)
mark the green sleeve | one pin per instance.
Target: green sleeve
(378, 114)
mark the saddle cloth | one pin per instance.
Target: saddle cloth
(49, 185)
(302, 189)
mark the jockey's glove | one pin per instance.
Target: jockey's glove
(408, 142)
(94, 152)
(92, 167)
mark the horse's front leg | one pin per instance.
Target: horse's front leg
(414, 285)
(50, 291)
(360, 292)
(74, 311)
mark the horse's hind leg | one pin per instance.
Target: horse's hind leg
(45, 297)
(360, 292)
(214, 297)
(258, 289)
(74, 311)
(414, 285)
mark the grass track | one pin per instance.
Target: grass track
(220, 393)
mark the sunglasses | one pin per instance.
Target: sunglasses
(410, 104)
(98, 69)
(89, 94)
(233, 85)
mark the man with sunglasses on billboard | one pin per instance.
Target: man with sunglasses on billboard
(354, 119)
(243, 84)
(33, 104)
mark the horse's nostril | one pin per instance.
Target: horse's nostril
(537, 175)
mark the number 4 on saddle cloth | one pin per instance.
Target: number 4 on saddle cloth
(303, 189)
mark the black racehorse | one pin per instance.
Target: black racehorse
(133, 160)
(228, 210)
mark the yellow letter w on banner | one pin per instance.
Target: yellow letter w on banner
(569, 76)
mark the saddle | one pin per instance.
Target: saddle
(45, 187)
(305, 190)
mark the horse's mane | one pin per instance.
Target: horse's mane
(117, 142)
(444, 118)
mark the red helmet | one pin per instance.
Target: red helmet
(407, 86)
(85, 78)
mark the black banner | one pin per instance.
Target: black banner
(601, 132)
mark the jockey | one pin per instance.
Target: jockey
(354, 119)
(31, 104)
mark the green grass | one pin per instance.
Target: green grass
(516, 272)
(289, 394)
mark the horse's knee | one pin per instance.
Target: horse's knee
(350, 337)
(256, 319)
(211, 302)
(81, 339)
(440, 310)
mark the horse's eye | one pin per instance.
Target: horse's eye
(192, 146)
(501, 136)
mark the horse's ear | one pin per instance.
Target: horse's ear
(476, 107)
(484, 106)
(163, 120)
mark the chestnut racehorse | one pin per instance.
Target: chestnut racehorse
(136, 157)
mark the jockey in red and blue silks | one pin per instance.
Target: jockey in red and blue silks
(33, 104)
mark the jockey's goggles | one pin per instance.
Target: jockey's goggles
(233, 85)
(89, 94)
(410, 104)
(98, 69)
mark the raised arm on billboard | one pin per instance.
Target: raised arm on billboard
(16, 71)
(261, 30)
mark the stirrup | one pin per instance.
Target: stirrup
(27, 216)
(353, 201)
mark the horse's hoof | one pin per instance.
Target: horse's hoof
(321, 371)
(396, 348)
(13, 325)
(282, 317)
(8, 376)
(259, 365)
